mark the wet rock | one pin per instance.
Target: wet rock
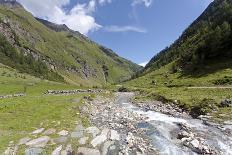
(23, 141)
(183, 134)
(93, 130)
(57, 151)
(63, 133)
(38, 131)
(195, 143)
(33, 151)
(88, 151)
(83, 140)
(39, 142)
(49, 132)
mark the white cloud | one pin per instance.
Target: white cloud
(115, 28)
(79, 18)
(143, 64)
(147, 3)
(102, 2)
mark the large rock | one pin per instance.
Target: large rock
(93, 130)
(57, 151)
(101, 138)
(87, 151)
(114, 135)
(39, 142)
(33, 151)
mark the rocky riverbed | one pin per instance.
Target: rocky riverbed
(119, 127)
(157, 128)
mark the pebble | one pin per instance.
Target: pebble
(38, 131)
(63, 133)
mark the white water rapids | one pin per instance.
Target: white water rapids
(162, 129)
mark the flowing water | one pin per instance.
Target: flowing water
(162, 129)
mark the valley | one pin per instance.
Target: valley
(63, 94)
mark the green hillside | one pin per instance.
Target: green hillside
(35, 48)
(207, 39)
(195, 72)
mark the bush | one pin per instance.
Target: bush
(227, 80)
(203, 107)
(123, 89)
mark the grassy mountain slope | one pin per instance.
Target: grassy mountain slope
(196, 71)
(207, 39)
(62, 55)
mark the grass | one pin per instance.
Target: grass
(165, 85)
(20, 116)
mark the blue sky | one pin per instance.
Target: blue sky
(134, 29)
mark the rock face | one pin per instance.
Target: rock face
(39, 142)
(101, 138)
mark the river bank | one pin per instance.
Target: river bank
(156, 128)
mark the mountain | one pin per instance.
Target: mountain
(195, 72)
(55, 52)
(206, 40)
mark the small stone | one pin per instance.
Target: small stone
(23, 141)
(57, 151)
(60, 140)
(38, 131)
(33, 151)
(83, 140)
(77, 134)
(87, 151)
(39, 142)
(49, 132)
(63, 133)
(93, 130)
